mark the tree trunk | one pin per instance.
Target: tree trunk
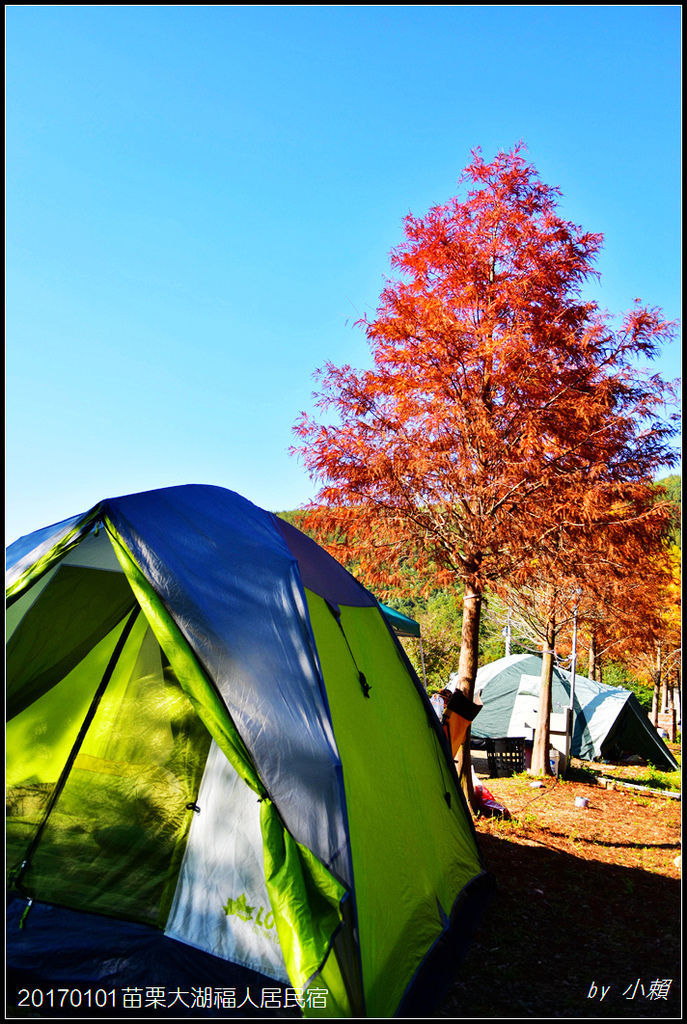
(664, 694)
(677, 695)
(657, 687)
(592, 658)
(467, 670)
(670, 688)
(540, 751)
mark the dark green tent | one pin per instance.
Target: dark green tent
(609, 723)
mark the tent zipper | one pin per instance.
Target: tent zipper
(364, 685)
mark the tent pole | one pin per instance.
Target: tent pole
(422, 662)
(85, 725)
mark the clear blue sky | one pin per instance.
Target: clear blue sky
(200, 203)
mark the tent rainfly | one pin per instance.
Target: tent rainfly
(609, 723)
(222, 771)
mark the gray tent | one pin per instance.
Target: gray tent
(609, 723)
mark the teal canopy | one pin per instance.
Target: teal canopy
(400, 623)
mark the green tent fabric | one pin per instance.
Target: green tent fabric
(609, 723)
(216, 744)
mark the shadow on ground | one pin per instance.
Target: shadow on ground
(561, 931)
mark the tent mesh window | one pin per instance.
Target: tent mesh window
(505, 756)
(105, 833)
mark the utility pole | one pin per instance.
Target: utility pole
(573, 669)
(573, 662)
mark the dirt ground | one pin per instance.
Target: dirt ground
(585, 920)
(586, 916)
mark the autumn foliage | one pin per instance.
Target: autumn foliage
(502, 427)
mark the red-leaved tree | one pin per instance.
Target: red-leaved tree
(498, 403)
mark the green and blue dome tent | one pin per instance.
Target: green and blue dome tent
(222, 770)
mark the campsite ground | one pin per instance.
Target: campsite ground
(585, 920)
